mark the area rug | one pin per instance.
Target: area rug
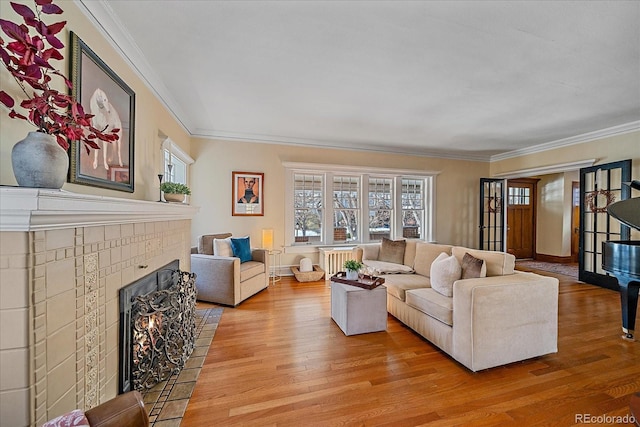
(552, 267)
(167, 401)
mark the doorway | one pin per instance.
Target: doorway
(600, 186)
(521, 217)
(575, 220)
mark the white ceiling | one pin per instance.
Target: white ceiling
(466, 79)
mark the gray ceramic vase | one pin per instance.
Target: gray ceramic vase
(39, 162)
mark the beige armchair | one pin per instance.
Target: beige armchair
(225, 280)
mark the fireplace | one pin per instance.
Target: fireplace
(157, 327)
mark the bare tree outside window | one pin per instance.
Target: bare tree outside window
(308, 206)
(346, 201)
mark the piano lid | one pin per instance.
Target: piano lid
(627, 212)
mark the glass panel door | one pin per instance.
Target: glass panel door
(492, 216)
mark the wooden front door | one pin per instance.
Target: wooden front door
(521, 215)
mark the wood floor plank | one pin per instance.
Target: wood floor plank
(279, 360)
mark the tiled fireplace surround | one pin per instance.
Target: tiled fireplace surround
(63, 259)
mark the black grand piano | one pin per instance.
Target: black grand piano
(622, 259)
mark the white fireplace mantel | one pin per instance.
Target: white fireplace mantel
(33, 209)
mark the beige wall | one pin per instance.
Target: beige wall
(457, 187)
(151, 116)
(554, 191)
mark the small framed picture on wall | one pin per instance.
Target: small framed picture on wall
(248, 194)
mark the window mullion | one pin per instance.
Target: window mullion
(327, 234)
(397, 205)
(364, 208)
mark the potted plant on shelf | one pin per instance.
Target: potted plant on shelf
(40, 160)
(174, 192)
(352, 266)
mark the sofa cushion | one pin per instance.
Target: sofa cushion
(205, 242)
(498, 263)
(222, 247)
(370, 251)
(426, 253)
(432, 303)
(410, 252)
(250, 269)
(398, 284)
(472, 267)
(387, 267)
(241, 248)
(392, 251)
(445, 270)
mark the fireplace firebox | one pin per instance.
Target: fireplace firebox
(157, 327)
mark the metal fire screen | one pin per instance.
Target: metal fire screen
(163, 331)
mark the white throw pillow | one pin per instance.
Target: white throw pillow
(387, 267)
(222, 247)
(445, 270)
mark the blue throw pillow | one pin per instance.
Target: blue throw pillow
(241, 248)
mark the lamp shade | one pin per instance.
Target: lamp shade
(267, 238)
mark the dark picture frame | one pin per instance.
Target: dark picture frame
(104, 94)
(247, 194)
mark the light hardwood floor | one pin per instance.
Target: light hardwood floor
(279, 359)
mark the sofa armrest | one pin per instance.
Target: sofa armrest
(217, 278)
(125, 410)
(356, 253)
(260, 255)
(517, 312)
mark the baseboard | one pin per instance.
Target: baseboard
(554, 258)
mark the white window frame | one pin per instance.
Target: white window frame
(292, 168)
(176, 154)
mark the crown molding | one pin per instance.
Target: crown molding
(573, 140)
(107, 23)
(342, 145)
(363, 169)
(546, 170)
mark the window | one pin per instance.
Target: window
(308, 204)
(176, 163)
(519, 196)
(412, 207)
(380, 208)
(346, 208)
(337, 205)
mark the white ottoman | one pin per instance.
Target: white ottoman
(357, 310)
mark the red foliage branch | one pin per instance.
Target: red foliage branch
(27, 58)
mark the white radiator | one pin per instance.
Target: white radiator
(332, 260)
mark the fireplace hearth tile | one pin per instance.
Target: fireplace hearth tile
(167, 401)
(173, 409)
(168, 423)
(182, 391)
(200, 351)
(204, 342)
(188, 375)
(151, 397)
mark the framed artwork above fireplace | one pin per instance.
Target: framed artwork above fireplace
(112, 103)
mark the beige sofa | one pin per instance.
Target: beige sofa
(504, 317)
